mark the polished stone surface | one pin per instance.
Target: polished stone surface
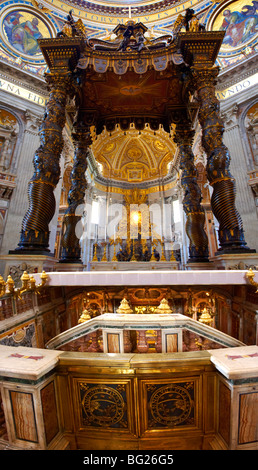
(26, 363)
(236, 363)
(148, 278)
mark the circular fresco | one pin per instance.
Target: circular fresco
(20, 30)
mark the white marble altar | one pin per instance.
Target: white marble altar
(148, 278)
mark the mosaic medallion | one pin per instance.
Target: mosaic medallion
(21, 27)
(103, 405)
(239, 20)
(171, 405)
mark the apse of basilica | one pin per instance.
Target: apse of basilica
(128, 225)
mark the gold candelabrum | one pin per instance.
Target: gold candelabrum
(162, 258)
(250, 277)
(153, 243)
(95, 258)
(104, 257)
(28, 285)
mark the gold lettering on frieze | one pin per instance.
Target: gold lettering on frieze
(102, 18)
(22, 92)
(237, 88)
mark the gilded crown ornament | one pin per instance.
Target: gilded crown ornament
(205, 317)
(85, 316)
(163, 307)
(124, 307)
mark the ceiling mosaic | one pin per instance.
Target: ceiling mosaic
(22, 22)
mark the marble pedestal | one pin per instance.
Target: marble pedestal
(237, 395)
(235, 261)
(28, 392)
(69, 267)
(200, 266)
(15, 264)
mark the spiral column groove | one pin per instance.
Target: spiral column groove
(70, 244)
(195, 216)
(34, 231)
(231, 233)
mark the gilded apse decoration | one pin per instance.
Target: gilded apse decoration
(35, 231)
(231, 234)
(195, 216)
(171, 405)
(103, 405)
(134, 157)
(71, 251)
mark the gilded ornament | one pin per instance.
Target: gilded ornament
(205, 317)
(124, 307)
(103, 406)
(250, 277)
(85, 316)
(171, 405)
(163, 308)
(28, 285)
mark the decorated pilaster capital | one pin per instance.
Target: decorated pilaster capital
(33, 122)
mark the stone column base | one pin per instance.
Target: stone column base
(14, 264)
(236, 261)
(198, 266)
(69, 267)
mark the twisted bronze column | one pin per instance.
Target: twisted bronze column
(231, 233)
(35, 232)
(71, 251)
(195, 216)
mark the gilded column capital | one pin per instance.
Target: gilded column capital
(184, 136)
(61, 82)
